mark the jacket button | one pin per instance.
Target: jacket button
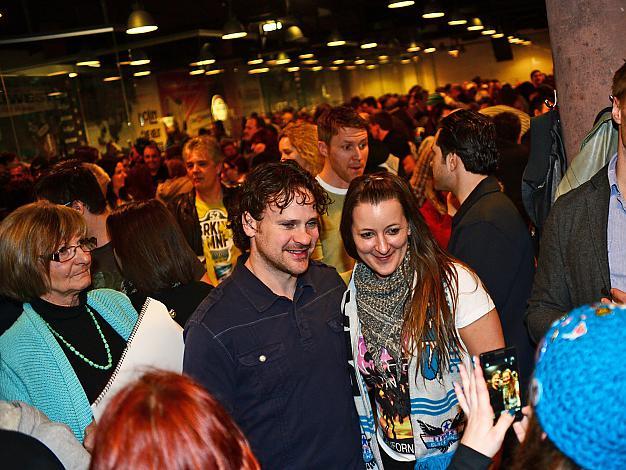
(262, 358)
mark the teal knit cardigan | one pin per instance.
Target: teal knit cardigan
(35, 370)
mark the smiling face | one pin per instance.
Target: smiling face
(345, 157)
(381, 235)
(282, 241)
(68, 279)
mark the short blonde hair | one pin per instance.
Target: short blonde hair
(27, 237)
(303, 136)
(204, 143)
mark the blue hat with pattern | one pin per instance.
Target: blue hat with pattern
(579, 384)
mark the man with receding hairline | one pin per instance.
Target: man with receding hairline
(342, 135)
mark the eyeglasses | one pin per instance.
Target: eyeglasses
(67, 253)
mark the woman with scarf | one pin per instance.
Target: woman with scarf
(414, 314)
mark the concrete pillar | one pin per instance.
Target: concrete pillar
(588, 45)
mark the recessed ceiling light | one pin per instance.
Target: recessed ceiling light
(338, 61)
(255, 61)
(196, 72)
(488, 32)
(338, 42)
(308, 55)
(369, 45)
(258, 70)
(310, 62)
(317, 68)
(142, 73)
(293, 69)
(400, 3)
(72, 75)
(202, 63)
(359, 61)
(214, 72)
(112, 79)
(272, 25)
(88, 63)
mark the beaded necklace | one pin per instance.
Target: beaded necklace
(77, 352)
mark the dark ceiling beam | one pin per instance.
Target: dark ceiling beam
(148, 42)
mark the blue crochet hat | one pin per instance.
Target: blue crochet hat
(578, 389)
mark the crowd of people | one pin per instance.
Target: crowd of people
(315, 294)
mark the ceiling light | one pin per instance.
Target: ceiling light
(429, 49)
(454, 51)
(114, 78)
(196, 72)
(335, 40)
(497, 35)
(456, 19)
(138, 58)
(282, 58)
(233, 29)
(371, 66)
(317, 68)
(338, 61)
(140, 22)
(514, 40)
(526, 43)
(214, 71)
(60, 72)
(400, 3)
(310, 62)
(88, 63)
(293, 69)
(334, 68)
(54, 93)
(72, 75)
(142, 73)
(257, 61)
(294, 34)
(413, 47)
(488, 32)
(308, 55)
(432, 10)
(359, 61)
(258, 70)
(272, 25)
(368, 45)
(205, 56)
(350, 67)
(475, 25)
(383, 57)
(405, 61)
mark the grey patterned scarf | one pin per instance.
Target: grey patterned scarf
(380, 306)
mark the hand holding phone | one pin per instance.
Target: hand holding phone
(480, 432)
(502, 377)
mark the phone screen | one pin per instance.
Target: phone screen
(502, 377)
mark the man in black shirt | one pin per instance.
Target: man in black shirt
(381, 128)
(268, 342)
(488, 232)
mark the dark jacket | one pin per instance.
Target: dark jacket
(573, 259)
(183, 207)
(489, 235)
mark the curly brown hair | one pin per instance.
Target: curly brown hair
(273, 183)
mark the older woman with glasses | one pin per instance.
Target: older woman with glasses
(62, 351)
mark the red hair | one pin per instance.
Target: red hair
(166, 420)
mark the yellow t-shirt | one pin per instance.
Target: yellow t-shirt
(220, 253)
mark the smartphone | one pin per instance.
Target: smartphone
(502, 377)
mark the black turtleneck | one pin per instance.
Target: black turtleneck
(78, 329)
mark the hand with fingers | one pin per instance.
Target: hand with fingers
(480, 432)
(520, 427)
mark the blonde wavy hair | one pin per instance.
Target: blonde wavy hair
(303, 137)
